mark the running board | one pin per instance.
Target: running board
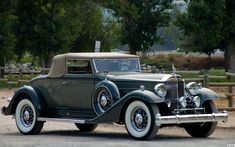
(79, 121)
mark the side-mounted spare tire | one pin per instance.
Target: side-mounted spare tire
(105, 95)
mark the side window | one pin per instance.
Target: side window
(79, 67)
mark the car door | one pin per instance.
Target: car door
(78, 85)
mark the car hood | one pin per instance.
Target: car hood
(139, 77)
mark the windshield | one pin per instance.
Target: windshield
(117, 65)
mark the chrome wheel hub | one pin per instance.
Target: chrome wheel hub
(26, 115)
(138, 119)
(103, 101)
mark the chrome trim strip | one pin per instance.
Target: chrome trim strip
(189, 109)
(80, 121)
(191, 118)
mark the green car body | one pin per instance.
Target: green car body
(81, 89)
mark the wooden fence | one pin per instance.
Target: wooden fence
(203, 77)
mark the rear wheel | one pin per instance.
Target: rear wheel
(203, 129)
(26, 118)
(140, 120)
(86, 127)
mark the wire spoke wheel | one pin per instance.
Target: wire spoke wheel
(140, 120)
(104, 100)
(26, 118)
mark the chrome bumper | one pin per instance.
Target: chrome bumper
(191, 118)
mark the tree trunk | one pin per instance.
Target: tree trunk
(49, 59)
(46, 59)
(42, 60)
(132, 49)
(230, 57)
(2, 64)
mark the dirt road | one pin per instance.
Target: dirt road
(67, 135)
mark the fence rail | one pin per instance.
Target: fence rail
(203, 77)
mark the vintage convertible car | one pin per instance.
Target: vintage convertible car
(92, 88)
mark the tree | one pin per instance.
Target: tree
(209, 25)
(140, 20)
(95, 25)
(45, 27)
(7, 38)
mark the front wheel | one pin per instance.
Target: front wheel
(140, 120)
(203, 129)
(26, 118)
(86, 127)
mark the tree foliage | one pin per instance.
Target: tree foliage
(208, 25)
(94, 26)
(140, 20)
(47, 27)
(7, 38)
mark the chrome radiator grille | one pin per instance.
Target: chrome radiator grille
(174, 92)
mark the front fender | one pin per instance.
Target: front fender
(113, 114)
(24, 91)
(207, 94)
(144, 95)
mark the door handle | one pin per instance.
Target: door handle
(64, 83)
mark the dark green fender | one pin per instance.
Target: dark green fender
(25, 91)
(207, 94)
(113, 113)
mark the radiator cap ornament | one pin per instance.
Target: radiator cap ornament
(173, 69)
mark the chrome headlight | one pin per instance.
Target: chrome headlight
(160, 89)
(193, 88)
(197, 101)
(183, 102)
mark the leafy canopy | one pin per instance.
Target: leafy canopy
(140, 20)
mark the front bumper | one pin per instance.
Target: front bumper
(191, 118)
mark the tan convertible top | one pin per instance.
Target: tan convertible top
(58, 67)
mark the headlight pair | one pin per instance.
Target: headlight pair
(160, 89)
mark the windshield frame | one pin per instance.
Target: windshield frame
(138, 62)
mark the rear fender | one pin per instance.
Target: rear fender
(24, 92)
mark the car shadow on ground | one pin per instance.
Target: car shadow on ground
(107, 135)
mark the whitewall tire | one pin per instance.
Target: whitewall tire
(26, 118)
(140, 120)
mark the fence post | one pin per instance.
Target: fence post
(205, 78)
(10, 72)
(21, 72)
(230, 96)
(2, 72)
(230, 91)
